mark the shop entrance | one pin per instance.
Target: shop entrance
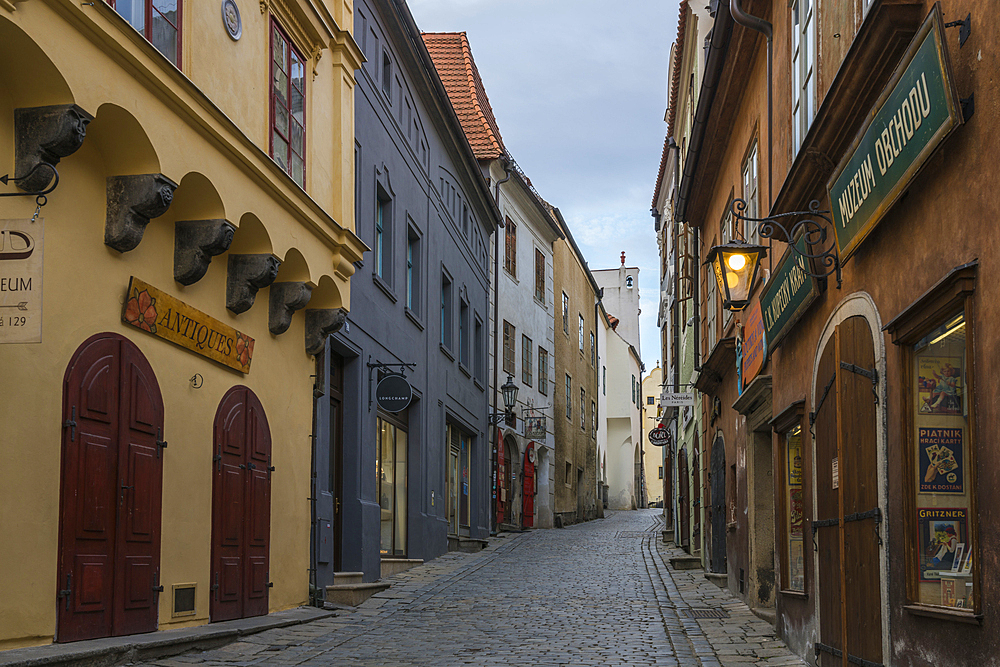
(241, 508)
(508, 481)
(112, 478)
(717, 562)
(683, 501)
(848, 515)
(528, 492)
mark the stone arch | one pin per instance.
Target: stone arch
(294, 268)
(196, 198)
(326, 295)
(251, 237)
(124, 145)
(39, 82)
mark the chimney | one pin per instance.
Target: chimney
(623, 258)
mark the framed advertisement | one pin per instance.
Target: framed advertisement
(941, 460)
(941, 530)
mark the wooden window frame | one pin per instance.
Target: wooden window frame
(509, 361)
(569, 397)
(275, 25)
(146, 32)
(543, 371)
(527, 358)
(952, 294)
(782, 424)
(539, 276)
(510, 248)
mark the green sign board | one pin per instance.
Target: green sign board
(787, 294)
(916, 111)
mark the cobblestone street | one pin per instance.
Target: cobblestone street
(600, 593)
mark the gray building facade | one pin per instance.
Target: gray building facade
(415, 483)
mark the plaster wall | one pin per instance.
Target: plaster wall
(622, 301)
(624, 424)
(654, 458)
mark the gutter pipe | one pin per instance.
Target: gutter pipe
(494, 461)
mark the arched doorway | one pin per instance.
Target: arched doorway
(112, 479)
(508, 481)
(241, 507)
(717, 559)
(847, 498)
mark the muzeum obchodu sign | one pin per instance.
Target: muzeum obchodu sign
(917, 110)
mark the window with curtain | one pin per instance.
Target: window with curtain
(510, 248)
(509, 360)
(159, 21)
(539, 276)
(288, 105)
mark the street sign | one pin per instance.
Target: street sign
(659, 437)
(393, 393)
(676, 400)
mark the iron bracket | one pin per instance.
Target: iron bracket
(384, 367)
(964, 29)
(870, 374)
(826, 391)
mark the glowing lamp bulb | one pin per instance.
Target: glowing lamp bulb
(737, 262)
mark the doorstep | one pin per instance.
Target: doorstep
(152, 645)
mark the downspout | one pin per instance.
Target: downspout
(764, 28)
(676, 335)
(496, 359)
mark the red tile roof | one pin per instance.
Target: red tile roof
(452, 57)
(675, 82)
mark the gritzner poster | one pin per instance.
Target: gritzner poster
(939, 385)
(941, 530)
(942, 466)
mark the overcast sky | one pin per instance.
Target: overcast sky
(578, 88)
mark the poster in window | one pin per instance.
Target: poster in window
(794, 461)
(942, 468)
(795, 511)
(796, 566)
(942, 529)
(939, 385)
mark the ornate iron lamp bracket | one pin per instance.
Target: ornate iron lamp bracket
(826, 261)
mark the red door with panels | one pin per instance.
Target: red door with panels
(528, 490)
(111, 488)
(241, 507)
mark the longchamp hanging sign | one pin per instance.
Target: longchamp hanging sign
(917, 110)
(169, 318)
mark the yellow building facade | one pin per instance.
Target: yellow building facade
(212, 171)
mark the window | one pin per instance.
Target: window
(383, 223)
(569, 397)
(593, 419)
(465, 220)
(604, 383)
(543, 371)
(633, 390)
(650, 400)
(464, 349)
(539, 276)
(569, 474)
(288, 105)
(159, 21)
(459, 479)
(581, 333)
(711, 308)
(527, 358)
(510, 249)
(593, 350)
(387, 76)
(446, 311)
(793, 512)
(661, 472)
(751, 194)
(565, 314)
(803, 69)
(412, 270)
(509, 332)
(583, 409)
(390, 466)
(629, 281)
(480, 351)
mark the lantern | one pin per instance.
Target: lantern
(736, 264)
(509, 391)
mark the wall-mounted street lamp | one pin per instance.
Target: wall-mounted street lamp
(509, 391)
(736, 263)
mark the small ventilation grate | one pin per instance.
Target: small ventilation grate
(184, 600)
(706, 613)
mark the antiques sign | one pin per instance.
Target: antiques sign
(21, 281)
(917, 110)
(754, 344)
(787, 294)
(535, 427)
(393, 393)
(167, 317)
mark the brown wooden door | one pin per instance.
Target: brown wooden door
(717, 561)
(112, 477)
(683, 501)
(847, 468)
(241, 508)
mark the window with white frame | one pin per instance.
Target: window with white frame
(751, 194)
(803, 68)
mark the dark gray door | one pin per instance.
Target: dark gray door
(718, 552)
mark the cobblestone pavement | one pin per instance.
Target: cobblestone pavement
(599, 593)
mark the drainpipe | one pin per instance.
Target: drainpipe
(508, 169)
(764, 28)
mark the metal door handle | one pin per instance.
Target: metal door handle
(68, 591)
(71, 423)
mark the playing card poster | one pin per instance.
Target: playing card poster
(942, 466)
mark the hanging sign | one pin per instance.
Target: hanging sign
(754, 344)
(787, 294)
(535, 427)
(676, 400)
(169, 318)
(659, 437)
(21, 281)
(393, 393)
(916, 111)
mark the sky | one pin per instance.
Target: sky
(579, 90)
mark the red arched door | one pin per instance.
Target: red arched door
(528, 490)
(112, 478)
(241, 507)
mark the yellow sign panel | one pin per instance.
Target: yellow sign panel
(167, 317)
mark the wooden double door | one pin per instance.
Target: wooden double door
(112, 479)
(847, 527)
(241, 508)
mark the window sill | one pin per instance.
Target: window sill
(540, 303)
(413, 318)
(479, 384)
(511, 276)
(945, 613)
(446, 351)
(801, 595)
(462, 367)
(384, 286)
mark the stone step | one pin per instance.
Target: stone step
(720, 579)
(685, 562)
(354, 594)
(391, 566)
(348, 577)
(766, 613)
(469, 545)
(668, 536)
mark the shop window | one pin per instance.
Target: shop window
(159, 21)
(543, 371)
(527, 357)
(510, 249)
(390, 463)
(459, 455)
(942, 528)
(288, 108)
(509, 333)
(539, 276)
(794, 557)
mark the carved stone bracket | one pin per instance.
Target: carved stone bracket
(247, 274)
(320, 324)
(132, 202)
(284, 300)
(46, 134)
(196, 242)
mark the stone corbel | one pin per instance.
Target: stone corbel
(320, 324)
(247, 274)
(196, 242)
(132, 202)
(46, 134)
(284, 300)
